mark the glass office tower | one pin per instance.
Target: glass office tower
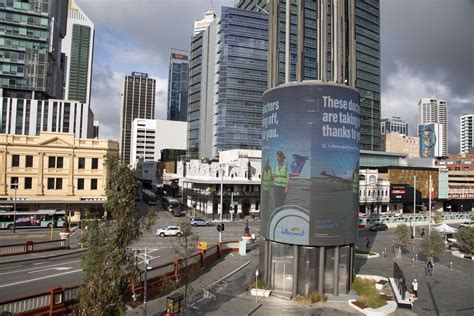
(178, 75)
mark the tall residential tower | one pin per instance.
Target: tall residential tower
(433, 110)
(466, 136)
(178, 75)
(137, 101)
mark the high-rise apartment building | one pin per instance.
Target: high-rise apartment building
(78, 46)
(433, 110)
(31, 117)
(30, 48)
(137, 101)
(393, 124)
(201, 25)
(227, 79)
(178, 84)
(319, 49)
(466, 137)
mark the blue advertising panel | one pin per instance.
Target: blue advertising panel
(310, 162)
(428, 140)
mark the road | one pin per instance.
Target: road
(37, 276)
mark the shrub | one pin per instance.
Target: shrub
(261, 284)
(368, 294)
(465, 237)
(311, 298)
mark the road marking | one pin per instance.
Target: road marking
(41, 278)
(57, 269)
(24, 270)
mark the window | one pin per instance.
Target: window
(55, 162)
(95, 163)
(80, 184)
(93, 184)
(59, 183)
(55, 183)
(82, 163)
(59, 162)
(15, 160)
(29, 161)
(50, 183)
(14, 182)
(28, 183)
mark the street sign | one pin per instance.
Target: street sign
(235, 203)
(202, 245)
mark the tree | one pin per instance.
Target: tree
(402, 235)
(432, 245)
(185, 246)
(109, 261)
(465, 238)
(437, 218)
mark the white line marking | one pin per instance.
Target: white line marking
(41, 278)
(57, 269)
(52, 265)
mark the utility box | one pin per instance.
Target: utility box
(242, 248)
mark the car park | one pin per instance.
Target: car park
(169, 231)
(199, 222)
(378, 227)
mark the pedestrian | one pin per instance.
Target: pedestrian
(367, 243)
(414, 285)
(429, 268)
(422, 233)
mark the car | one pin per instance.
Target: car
(377, 227)
(170, 231)
(199, 222)
(466, 224)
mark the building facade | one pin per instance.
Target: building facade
(178, 84)
(374, 192)
(31, 117)
(78, 46)
(30, 48)
(466, 137)
(461, 180)
(393, 124)
(433, 110)
(53, 170)
(239, 172)
(137, 101)
(151, 137)
(351, 57)
(231, 57)
(201, 25)
(397, 143)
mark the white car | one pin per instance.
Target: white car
(466, 224)
(169, 231)
(199, 222)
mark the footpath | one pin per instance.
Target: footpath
(74, 247)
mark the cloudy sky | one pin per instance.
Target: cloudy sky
(427, 50)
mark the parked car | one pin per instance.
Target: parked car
(199, 222)
(377, 227)
(466, 224)
(169, 231)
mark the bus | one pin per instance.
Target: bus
(42, 218)
(149, 197)
(170, 204)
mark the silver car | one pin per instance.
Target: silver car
(170, 231)
(199, 222)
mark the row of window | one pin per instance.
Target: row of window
(54, 162)
(378, 193)
(52, 183)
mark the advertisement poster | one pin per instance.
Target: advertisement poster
(428, 139)
(310, 162)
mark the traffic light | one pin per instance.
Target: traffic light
(220, 227)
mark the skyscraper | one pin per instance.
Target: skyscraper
(433, 110)
(137, 101)
(201, 25)
(315, 50)
(78, 46)
(178, 76)
(393, 124)
(30, 48)
(466, 137)
(227, 80)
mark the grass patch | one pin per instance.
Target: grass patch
(311, 298)
(262, 285)
(368, 294)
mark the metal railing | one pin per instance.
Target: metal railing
(26, 304)
(410, 218)
(31, 246)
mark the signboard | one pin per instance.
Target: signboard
(430, 140)
(139, 74)
(202, 245)
(179, 56)
(403, 193)
(310, 163)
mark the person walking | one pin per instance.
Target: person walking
(429, 268)
(367, 243)
(414, 285)
(422, 233)
(281, 178)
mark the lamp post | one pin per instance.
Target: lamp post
(222, 205)
(429, 207)
(256, 286)
(15, 185)
(414, 206)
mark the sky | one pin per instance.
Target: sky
(427, 49)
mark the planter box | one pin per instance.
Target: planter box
(260, 292)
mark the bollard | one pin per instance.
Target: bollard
(385, 250)
(413, 261)
(416, 256)
(383, 254)
(450, 266)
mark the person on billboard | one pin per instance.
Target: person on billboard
(267, 182)
(281, 178)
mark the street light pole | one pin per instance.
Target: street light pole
(222, 205)
(145, 283)
(14, 208)
(414, 205)
(429, 207)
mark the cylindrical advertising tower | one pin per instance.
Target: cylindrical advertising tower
(310, 186)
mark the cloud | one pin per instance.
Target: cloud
(405, 87)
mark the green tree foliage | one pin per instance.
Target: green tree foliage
(402, 235)
(437, 219)
(465, 238)
(184, 247)
(432, 245)
(109, 261)
(368, 293)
